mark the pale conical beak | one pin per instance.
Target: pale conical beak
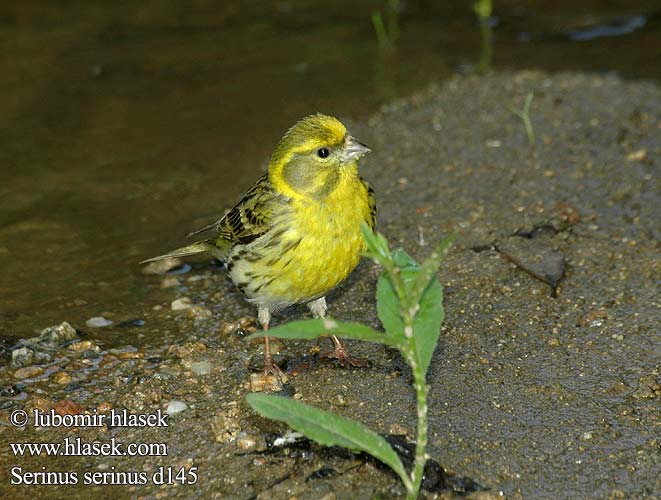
(354, 149)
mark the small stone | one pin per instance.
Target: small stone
(242, 326)
(246, 443)
(131, 355)
(639, 155)
(62, 378)
(226, 427)
(84, 345)
(397, 430)
(586, 436)
(22, 357)
(260, 382)
(175, 406)
(68, 407)
(98, 322)
(553, 342)
(181, 304)
(104, 407)
(648, 388)
(169, 282)
(59, 333)
(41, 404)
(199, 313)
(161, 266)
(28, 372)
(200, 368)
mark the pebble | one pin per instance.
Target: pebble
(41, 404)
(62, 378)
(243, 325)
(21, 357)
(260, 382)
(199, 313)
(175, 406)
(246, 443)
(553, 342)
(84, 345)
(226, 426)
(28, 372)
(398, 430)
(131, 355)
(98, 322)
(161, 266)
(181, 304)
(68, 407)
(169, 282)
(59, 333)
(104, 407)
(201, 368)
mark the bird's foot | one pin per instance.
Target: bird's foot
(344, 359)
(270, 368)
(272, 379)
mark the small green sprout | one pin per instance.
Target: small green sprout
(387, 36)
(483, 10)
(410, 307)
(524, 114)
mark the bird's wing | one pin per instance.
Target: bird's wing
(248, 220)
(371, 202)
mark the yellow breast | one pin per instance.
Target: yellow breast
(318, 247)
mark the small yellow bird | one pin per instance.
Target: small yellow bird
(296, 233)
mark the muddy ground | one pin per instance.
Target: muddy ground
(535, 393)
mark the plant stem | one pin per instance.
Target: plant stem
(421, 440)
(525, 118)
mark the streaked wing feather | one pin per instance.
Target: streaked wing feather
(248, 220)
(371, 200)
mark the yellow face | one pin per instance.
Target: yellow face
(308, 159)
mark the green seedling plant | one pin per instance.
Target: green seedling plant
(387, 36)
(483, 10)
(410, 307)
(524, 115)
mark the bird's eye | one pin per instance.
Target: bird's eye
(323, 152)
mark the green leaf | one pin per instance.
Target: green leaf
(403, 260)
(327, 428)
(313, 328)
(430, 267)
(377, 245)
(427, 323)
(388, 309)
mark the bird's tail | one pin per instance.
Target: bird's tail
(195, 248)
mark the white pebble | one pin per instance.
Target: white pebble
(181, 304)
(201, 368)
(98, 322)
(175, 406)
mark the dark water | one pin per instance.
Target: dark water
(124, 125)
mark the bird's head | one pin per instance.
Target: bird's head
(314, 155)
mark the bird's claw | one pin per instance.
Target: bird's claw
(270, 368)
(344, 359)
